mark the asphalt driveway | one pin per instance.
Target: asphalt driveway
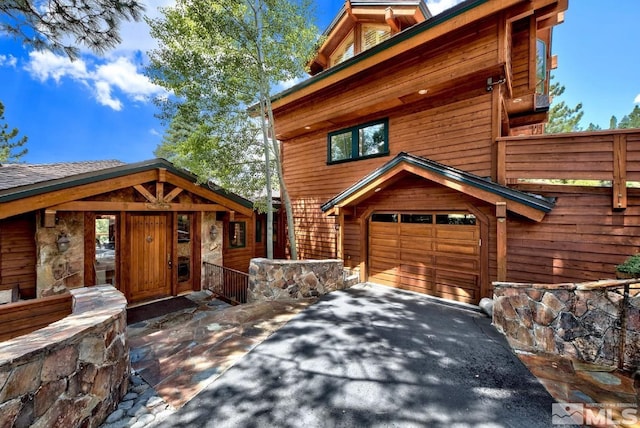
(375, 357)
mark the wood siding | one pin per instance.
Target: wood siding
(581, 239)
(445, 65)
(18, 255)
(457, 134)
(239, 258)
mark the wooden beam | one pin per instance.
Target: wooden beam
(391, 20)
(45, 200)
(49, 219)
(162, 175)
(172, 194)
(144, 192)
(501, 233)
(340, 232)
(349, 10)
(619, 183)
(134, 206)
(160, 191)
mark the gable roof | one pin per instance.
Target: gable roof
(526, 204)
(20, 181)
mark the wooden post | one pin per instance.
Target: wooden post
(340, 235)
(501, 250)
(501, 162)
(619, 183)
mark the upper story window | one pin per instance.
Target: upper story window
(541, 67)
(370, 35)
(373, 34)
(344, 51)
(363, 141)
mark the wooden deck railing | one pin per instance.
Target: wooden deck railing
(612, 156)
(17, 319)
(230, 285)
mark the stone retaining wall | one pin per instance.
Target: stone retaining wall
(293, 279)
(72, 373)
(582, 321)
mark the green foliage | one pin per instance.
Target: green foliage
(630, 266)
(218, 58)
(7, 146)
(632, 120)
(53, 24)
(562, 118)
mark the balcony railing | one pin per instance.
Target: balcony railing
(609, 157)
(228, 284)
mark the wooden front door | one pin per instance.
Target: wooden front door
(150, 252)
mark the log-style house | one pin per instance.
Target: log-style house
(414, 153)
(145, 227)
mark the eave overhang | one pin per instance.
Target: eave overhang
(32, 197)
(462, 14)
(528, 205)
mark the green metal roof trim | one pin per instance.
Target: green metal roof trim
(39, 188)
(398, 38)
(534, 201)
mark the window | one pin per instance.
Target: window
(105, 259)
(457, 219)
(237, 234)
(374, 34)
(184, 228)
(541, 67)
(384, 218)
(258, 230)
(344, 51)
(364, 141)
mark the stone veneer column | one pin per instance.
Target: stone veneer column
(293, 279)
(71, 373)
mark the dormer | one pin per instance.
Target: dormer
(361, 25)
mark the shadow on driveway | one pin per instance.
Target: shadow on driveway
(373, 356)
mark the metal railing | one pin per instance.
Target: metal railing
(228, 284)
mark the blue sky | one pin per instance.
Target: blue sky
(100, 107)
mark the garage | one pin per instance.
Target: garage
(436, 253)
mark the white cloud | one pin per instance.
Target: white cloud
(437, 6)
(109, 82)
(8, 60)
(637, 100)
(104, 97)
(44, 65)
(155, 132)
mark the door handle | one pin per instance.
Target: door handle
(170, 263)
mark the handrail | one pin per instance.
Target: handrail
(228, 284)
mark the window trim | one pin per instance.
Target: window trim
(243, 225)
(355, 142)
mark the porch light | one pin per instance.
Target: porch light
(63, 242)
(423, 91)
(213, 232)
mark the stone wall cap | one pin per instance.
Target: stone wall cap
(287, 261)
(583, 286)
(92, 306)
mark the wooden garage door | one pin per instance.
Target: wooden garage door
(434, 253)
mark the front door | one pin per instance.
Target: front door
(150, 251)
